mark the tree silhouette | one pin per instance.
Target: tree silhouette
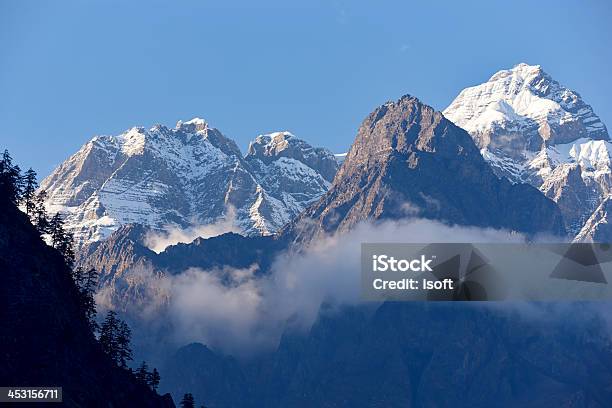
(86, 282)
(11, 182)
(153, 379)
(61, 240)
(115, 339)
(150, 378)
(39, 217)
(123, 339)
(188, 401)
(142, 372)
(90, 283)
(28, 195)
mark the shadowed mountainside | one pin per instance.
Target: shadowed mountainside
(44, 334)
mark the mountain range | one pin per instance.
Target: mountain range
(186, 177)
(529, 129)
(519, 153)
(410, 161)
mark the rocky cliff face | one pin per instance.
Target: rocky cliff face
(410, 161)
(532, 129)
(44, 335)
(598, 228)
(289, 172)
(184, 177)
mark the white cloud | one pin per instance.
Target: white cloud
(158, 241)
(238, 312)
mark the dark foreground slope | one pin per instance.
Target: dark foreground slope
(44, 335)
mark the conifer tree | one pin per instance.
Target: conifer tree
(153, 379)
(114, 338)
(123, 340)
(39, 217)
(108, 336)
(61, 240)
(90, 283)
(56, 230)
(86, 282)
(142, 373)
(28, 195)
(188, 401)
(11, 182)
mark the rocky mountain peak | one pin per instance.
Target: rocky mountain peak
(408, 160)
(523, 109)
(530, 128)
(522, 72)
(185, 177)
(192, 126)
(278, 145)
(272, 144)
(405, 127)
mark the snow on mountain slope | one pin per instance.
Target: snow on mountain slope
(522, 109)
(532, 129)
(598, 227)
(181, 178)
(289, 171)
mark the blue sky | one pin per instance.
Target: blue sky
(73, 69)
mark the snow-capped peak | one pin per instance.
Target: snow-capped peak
(523, 109)
(183, 178)
(530, 128)
(522, 70)
(285, 146)
(273, 142)
(193, 125)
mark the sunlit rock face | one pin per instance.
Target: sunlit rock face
(532, 129)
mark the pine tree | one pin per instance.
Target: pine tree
(39, 217)
(61, 240)
(56, 230)
(67, 248)
(86, 282)
(188, 401)
(108, 336)
(142, 373)
(78, 276)
(115, 337)
(11, 182)
(124, 336)
(90, 283)
(28, 195)
(153, 379)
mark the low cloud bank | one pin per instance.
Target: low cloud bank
(239, 313)
(158, 241)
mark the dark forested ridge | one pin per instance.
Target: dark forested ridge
(45, 335)
(414, 354)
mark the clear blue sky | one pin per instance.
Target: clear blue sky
(73, 69)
